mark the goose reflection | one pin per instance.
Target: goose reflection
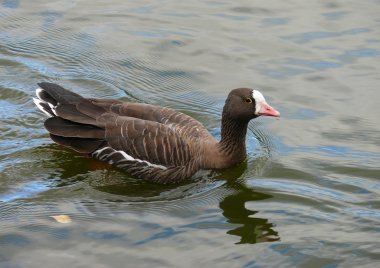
(73, 168)
(252, 229)
(106, 179)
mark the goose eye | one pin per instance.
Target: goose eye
(248, 100)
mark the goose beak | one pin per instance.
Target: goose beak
(268, 110)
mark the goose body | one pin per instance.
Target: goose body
(150, 142)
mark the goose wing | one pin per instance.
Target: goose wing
(148, 141)
(148, 150)
(183, 124)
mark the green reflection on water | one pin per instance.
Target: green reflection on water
(252, 229)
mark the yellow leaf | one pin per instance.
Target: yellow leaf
(62, 218)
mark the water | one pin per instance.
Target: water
(308, 194)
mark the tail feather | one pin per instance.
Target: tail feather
(74, 121)
(65, 128)
(81, 145)
(54, 100)
(70, 112)
(90, 109)
(44, 96)
(50, 91)
(44, 107)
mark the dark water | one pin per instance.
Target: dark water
(308, 194)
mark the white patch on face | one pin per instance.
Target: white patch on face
(259, 100)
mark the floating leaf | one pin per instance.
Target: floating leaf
(62, 218)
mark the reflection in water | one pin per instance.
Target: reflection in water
(253, 230)
(101, 176)
(104, 178)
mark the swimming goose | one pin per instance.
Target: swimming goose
(150, 142)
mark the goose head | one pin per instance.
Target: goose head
(244, 104)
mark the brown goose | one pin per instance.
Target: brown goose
(150, 142)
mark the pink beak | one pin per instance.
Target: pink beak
(268, 110)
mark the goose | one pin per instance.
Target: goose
(153, 143)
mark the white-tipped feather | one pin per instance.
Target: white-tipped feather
(40, 100)
(53, 110)
(130, 158)
(127, 156)
(38, 92)
(51, 106)
(98, 154)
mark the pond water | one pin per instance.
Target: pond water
(308, 193)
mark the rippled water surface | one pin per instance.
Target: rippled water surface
(309, 192)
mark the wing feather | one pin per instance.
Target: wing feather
(180, 122)
(147, 141)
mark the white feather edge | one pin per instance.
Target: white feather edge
(126, 157)
(38, 92)
(39, 101)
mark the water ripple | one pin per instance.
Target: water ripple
(311, 36)
(303, 189)
(310, 179)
